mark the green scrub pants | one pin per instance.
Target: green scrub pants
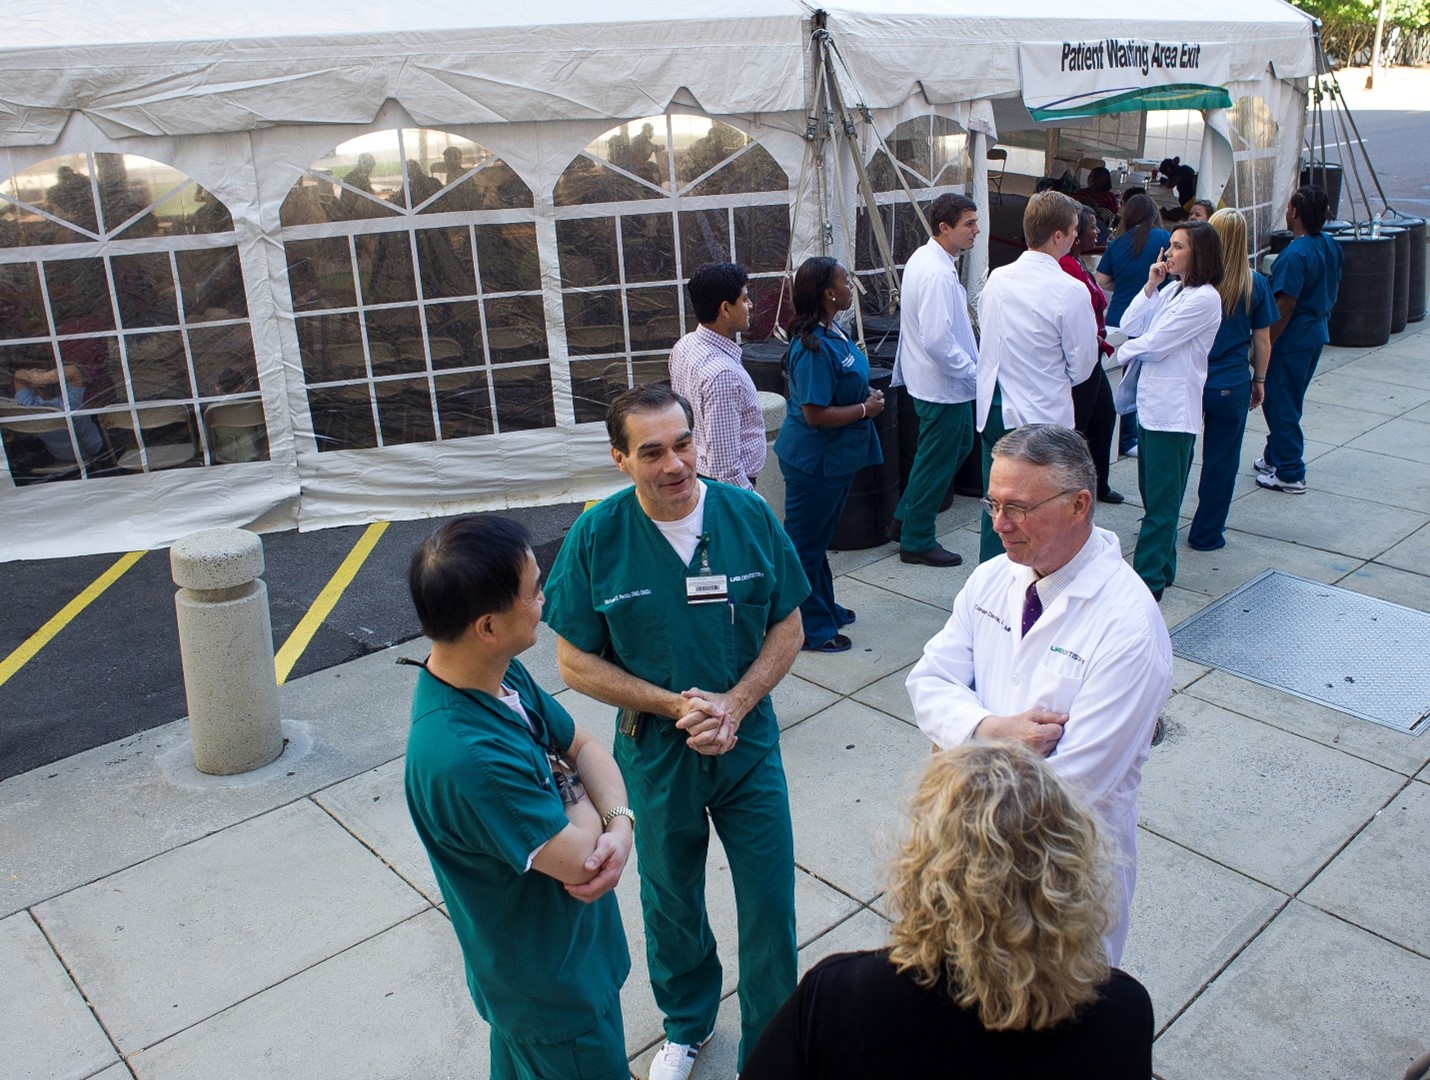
(599, 1054)
(672, 789)
(945, 437)
(989, 544)
(1163, 460)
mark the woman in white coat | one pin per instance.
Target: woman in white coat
(1165, 366)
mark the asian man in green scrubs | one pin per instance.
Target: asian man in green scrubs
(521, 812)
(677, 601)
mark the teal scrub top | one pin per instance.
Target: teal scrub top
(1310, 270)
(1128, 269)
(542, 967)
(1229, 364)
(617, 590)
(837, 373)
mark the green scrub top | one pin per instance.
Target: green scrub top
(541, 966)
(1309, 270)
(617, 590)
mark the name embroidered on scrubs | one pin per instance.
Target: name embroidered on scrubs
(706, 587)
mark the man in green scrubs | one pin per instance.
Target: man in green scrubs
(521, 812)
(677, 601)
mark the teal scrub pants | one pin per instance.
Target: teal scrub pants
(672, 789)
(599, 1054)
(990, 546)
(1163, 460)
(945, 437)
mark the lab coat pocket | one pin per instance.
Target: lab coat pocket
(746, 636)
(1057, 680)
(1161, 399)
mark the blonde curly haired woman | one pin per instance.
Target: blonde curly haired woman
(1001, 895)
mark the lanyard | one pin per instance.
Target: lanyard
(549, 745)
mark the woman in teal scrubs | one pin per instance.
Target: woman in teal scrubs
(827, 436)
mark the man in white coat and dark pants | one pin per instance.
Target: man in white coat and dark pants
(1057, 643)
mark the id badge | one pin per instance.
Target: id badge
(707, 589)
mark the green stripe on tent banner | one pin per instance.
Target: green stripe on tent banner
(1156, 99)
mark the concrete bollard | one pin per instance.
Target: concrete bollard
(772, 482)
(226, 644)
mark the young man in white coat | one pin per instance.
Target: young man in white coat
(1057, 643)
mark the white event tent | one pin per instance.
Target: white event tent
(299, 264)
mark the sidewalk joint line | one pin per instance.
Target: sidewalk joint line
(313, 618)
(67, 614)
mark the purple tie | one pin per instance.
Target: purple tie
(1032, 608)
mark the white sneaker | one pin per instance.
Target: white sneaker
(673, 1061)
(1290, 487)
(1132, 451)
(1260, 466)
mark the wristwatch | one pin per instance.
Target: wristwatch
(615, 812)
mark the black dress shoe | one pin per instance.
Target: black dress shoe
(934, 556)
(894, 531)
(1110, 496)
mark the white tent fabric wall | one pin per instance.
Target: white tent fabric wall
(274, 86)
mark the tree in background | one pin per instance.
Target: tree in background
(1348, 30)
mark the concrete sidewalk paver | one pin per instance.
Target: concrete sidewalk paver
(1318, 520)
(1312, 996)
(1399, 437)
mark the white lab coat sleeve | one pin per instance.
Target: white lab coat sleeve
(1079, 333)
(1110, 721)
(1141, 311)
(1170, 331)
(935, 318)
(940, 686)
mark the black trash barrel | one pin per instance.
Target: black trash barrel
(1362, 313)
(1280, 239)
(1327, 176)
(1415, 226)
(875, 492)
(1400, 297)
(765, 360)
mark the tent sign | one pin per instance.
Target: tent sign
(1063, 80)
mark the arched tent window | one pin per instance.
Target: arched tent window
(931, 154)
(416, 288)
(637, 211)
(1254, 134)
(124, 332)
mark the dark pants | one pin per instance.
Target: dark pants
(1094, 416)
(1163, 460)
(989, 544)
(1127, 434)
(1287, 377)
(945, 437)
(813, 506)
(1224, 413)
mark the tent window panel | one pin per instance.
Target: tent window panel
(516, 329)
(320, 273)
(342, 418)
(771, 309)
(211, 284)
(79, 296)
(223, 359)
(144, 287)
(454, 334)
(331, 348)
(394, 337)
(495, 187)
(22, 308)
(309, 202)
(36, 358)
(762, 238)
(655, 318)
(586, 249)
(883, 177)
(464, 405)
(704, 238)
(385, 269)
(508, 258)
(648, 247)
(594, 323)
(127, 187)
(95, 361)
(444, 258)
(701, 145)
(236, 431)
(61, 187)
(594, 385)
(754, 170)
(158, 437)
(158, 366)
(523, 398)
(404, 412)
(585, 182)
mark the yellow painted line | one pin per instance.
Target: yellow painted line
(42, 637)
(308, 625)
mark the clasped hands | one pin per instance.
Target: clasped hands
(710, 721)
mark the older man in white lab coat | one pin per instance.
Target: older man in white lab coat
(1057, 643)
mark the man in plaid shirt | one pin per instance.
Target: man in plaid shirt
(705, 369)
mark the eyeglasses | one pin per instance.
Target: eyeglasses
(1015, 513)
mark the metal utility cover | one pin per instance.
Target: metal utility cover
(1353, 653)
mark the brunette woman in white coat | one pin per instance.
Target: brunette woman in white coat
(1165, 366)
